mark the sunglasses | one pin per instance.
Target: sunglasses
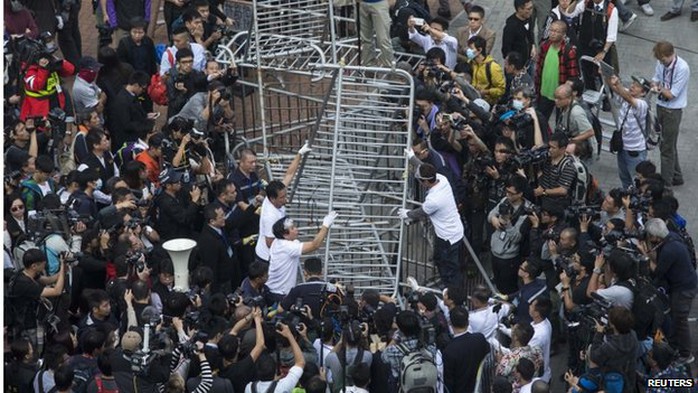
(16, 208)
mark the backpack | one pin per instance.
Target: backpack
(418, 372)
(651, 307)
(126, 153)
(157, 89)
(582, 183)
(651, 128)
(340, 381)
(688, 241)
(593, 120)
(81, 378)
(100, 386)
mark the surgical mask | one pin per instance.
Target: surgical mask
(517, 105)
(98, 184)
(470, 53)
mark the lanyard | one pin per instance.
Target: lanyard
(670, 71)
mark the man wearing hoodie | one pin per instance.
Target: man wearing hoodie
(614, 348)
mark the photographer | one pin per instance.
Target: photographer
(175, 217)
(184, 82)
(349, 352)
(42, 83)
(606, 283)
(631, 117)
(555, 183)
(436, 35)
(24, 145)
(26, 289)
(614, 347)
(210, 111)
(237, 367)
(310, 290)
(672, 269)
(405, 341)
(574, 123)
(511, 226)
(445, 140)
(266, 368)
(426, 115)
(39, 185)
(530, 132)
(499, 171)
(476, 181)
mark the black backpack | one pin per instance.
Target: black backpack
(340, 381)
(651, 306)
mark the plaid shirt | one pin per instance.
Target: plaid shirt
(673, 371)
(569, 66)
(393, 356)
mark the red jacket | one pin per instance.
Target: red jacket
(569, 67)
(39, 81)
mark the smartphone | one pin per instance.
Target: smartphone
(418, 21)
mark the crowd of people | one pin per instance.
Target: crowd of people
(502, 156)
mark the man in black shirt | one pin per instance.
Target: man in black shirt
(241, 371)
(254, 285)
(518, 31)
(174, 217)
(27, 289)
(24, 141)
(310, 290)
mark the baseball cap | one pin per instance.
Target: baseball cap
(170, 176)
(89, 63)
(131, 341)
(642, 82)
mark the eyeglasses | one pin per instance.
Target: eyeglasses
(16, 208)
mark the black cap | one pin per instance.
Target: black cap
(170, 176)
(89, 63)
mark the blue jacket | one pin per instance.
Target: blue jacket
(674, 266)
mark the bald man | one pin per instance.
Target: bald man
(573, 121)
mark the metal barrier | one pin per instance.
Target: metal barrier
(305, 84)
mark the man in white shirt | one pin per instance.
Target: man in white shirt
(542, 331)
(285, 253)
(440, 207)
(274, 206)
(180, 39)
(670, 80)
(436, 36)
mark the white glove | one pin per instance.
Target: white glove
(329, 219)
(409, 153)
(59, 21)
(305, 149)
(402, 213)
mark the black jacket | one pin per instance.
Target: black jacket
(460, 372)
(213, 252)
(516, 37)
(130, 53)
(174, 219)
(106, 171)
(127, 119)
(617, 353)
(194, 82)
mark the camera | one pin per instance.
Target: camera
(483, 162)
(225, 31)
(564, 264)
(531, 157)
(521, 120)
(551, 234)
(574, 212)
(196, 135)
(433, 70)
(532, 209)
(136, 259)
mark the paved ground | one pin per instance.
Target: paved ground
(635, 52)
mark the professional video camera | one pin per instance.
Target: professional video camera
(30, 51)
(189, 348)
(457, 123)
(531, 157)
(638, 202)
(137, 259)
(564, 264)
(574, 212)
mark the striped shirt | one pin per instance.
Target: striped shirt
(560, 175)
(629, 118)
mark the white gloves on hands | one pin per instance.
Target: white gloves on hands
(409, 153)
(329, 219)
(305, 149)
(402, 213)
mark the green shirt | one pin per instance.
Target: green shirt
(550, 78)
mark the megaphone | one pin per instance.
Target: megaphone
(179, 250)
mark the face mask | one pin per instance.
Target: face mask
(470, 53)
(88, 76)
(98, 185)
(517, 105)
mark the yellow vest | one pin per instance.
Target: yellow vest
(49, 90)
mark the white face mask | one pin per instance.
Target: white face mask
(517, 105)
(470, 53)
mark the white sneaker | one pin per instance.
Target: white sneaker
(627, 24)
(647, 9)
